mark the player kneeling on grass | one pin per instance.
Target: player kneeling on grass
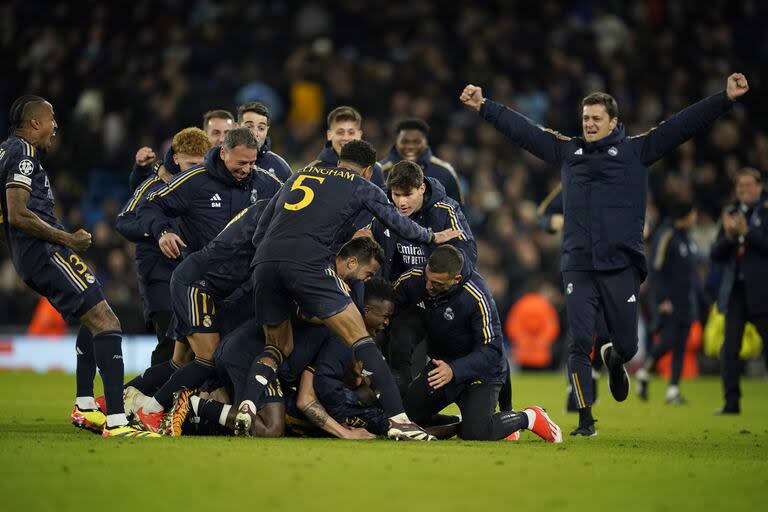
(466, 364)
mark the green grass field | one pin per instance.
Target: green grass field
(647, 456)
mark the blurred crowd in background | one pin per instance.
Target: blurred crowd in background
(122, 75)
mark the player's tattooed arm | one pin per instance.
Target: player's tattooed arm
(316, 413)
(23, 219)
(309, 404)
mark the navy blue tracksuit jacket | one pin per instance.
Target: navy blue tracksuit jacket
(605, 183)
(438, 213)
(204, 198)
(273, 163)
(463, 327)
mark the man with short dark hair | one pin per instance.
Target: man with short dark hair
(44, 256)
(216, 124)
(344, 125)
(466, 362)
(255, 117)
(605, 185)
(295, 241)
(423, 200)
(411, 144)
(742, 245)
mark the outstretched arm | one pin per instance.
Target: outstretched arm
(659, 141)
(541, 142)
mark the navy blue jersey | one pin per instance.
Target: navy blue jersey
(329, 158)
(432, 167)
(462, 325)
(438, 213)
(305, 220)
(20, 167)
(221, 267)
(273, 163)
(204, 198)
(605, 183)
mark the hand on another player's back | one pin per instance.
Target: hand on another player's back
(447, 235)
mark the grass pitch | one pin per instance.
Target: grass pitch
(647, 456)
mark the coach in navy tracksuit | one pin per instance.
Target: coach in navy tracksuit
(206, 197)
(466, 362)
(411, 144)
(674, 288)
(605, 183)
(742, 245)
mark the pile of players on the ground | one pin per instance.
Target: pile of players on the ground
(223, 228)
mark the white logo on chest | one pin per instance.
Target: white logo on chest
(216, 201)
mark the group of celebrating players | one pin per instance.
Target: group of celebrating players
(272, 292)
(291, 303)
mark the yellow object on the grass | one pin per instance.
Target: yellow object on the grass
(714, 336)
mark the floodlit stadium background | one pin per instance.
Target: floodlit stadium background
(127, 74)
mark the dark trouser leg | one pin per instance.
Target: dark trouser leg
(735, 318)
(582, 307)
(679, 340)
(505, 394)
(164, 350)
(620, 292)
(421, 402)
(404, 333)
(479, 422)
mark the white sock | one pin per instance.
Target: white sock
(673, 391)
(223, 415)
(401, 418)
(531, 418)
(116, 420)
(642, 374)
(152, 405)
(595, 374)
(194, 401)
(85, 402)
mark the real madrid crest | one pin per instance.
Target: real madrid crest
(613, 151)
(448, 314)
(207, 321)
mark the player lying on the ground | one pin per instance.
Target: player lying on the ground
(466, 363)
